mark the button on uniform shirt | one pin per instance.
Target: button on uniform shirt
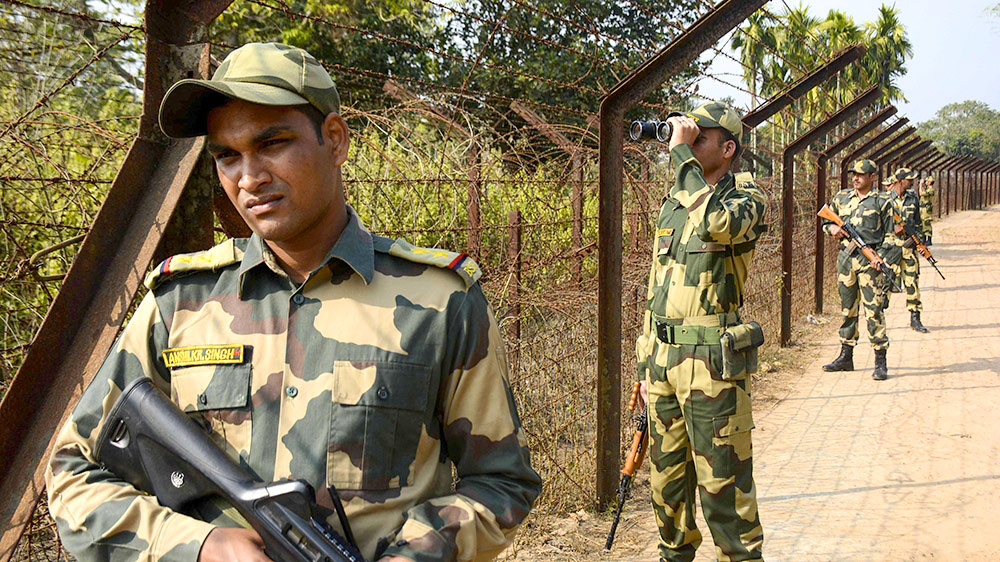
(377, 375)
(871, 216)
(705, 241)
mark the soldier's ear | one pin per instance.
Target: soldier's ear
(729, 149)
(337, 137)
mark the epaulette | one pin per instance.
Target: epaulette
(462, 264)
(743, 178)
(212, 259)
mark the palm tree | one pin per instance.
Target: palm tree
(888, 50)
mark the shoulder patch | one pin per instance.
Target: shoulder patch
(743, 178)
(212, 259)
(462, 264)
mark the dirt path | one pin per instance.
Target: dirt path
(848, 468)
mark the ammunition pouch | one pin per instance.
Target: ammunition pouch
(739, 350)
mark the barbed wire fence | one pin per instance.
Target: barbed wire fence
(512, 180)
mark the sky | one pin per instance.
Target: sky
(955, 49)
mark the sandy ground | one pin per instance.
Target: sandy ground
(848, 468)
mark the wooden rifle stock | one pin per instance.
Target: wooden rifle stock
(870, 254)
(632, 462)
(922, 249)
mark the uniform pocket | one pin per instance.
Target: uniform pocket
(731, 443)
(378, 415)
(219, 395)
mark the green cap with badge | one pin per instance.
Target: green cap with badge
(263, 73)
(716, 115)
(865, 166)
(905, 174)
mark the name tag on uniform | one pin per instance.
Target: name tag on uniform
(665, 232)
(203, 355)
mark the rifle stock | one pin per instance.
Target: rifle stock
(154, 446)
(922, 249)
(870, 254)
(632, 463)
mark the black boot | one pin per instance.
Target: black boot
(915, 322)
(881, 371)
(844, 361)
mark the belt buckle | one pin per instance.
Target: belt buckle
(664, 332)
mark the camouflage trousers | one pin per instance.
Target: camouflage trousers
(908, 272)
(858, 282)
(699, 429)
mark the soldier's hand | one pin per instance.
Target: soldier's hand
(898, 229)
(643, 395)
(685, 131)
(225, 545)
(837, 232)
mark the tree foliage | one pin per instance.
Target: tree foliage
(776, 49)
(969, 128)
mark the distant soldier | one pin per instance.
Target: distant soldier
(698, 387)
(927, 207)
(907, 205)
(870, 213)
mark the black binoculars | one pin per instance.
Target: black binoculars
(651, 130)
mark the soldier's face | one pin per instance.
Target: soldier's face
(862, 182)
(712, 150)
(283, 181)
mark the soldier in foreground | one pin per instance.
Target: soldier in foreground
(927, 208)
(313, 350)
(695, 356)
(907, 205)
(869, 212)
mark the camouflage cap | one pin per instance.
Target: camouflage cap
(929, 179)
(906, 174)
(864, 167)
(716, 115)
(264, 73)
(890, 180)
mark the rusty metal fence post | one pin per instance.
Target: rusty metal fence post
(788, 197)
(107, 273)
(514, 287)
(705, 32)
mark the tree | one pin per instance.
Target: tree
(888, 50)
(969, 128)
(776, 50)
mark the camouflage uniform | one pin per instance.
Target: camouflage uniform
(381, 374)
(927, 208)
(907, 270)
(700, 422)
(872, 217)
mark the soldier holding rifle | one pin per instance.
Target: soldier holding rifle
(870, 213)
(695, 355)
(313, 350)
(927, 208)
(906, 205)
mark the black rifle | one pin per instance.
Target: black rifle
(918, 240)
(154, 446)
(632, 462)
